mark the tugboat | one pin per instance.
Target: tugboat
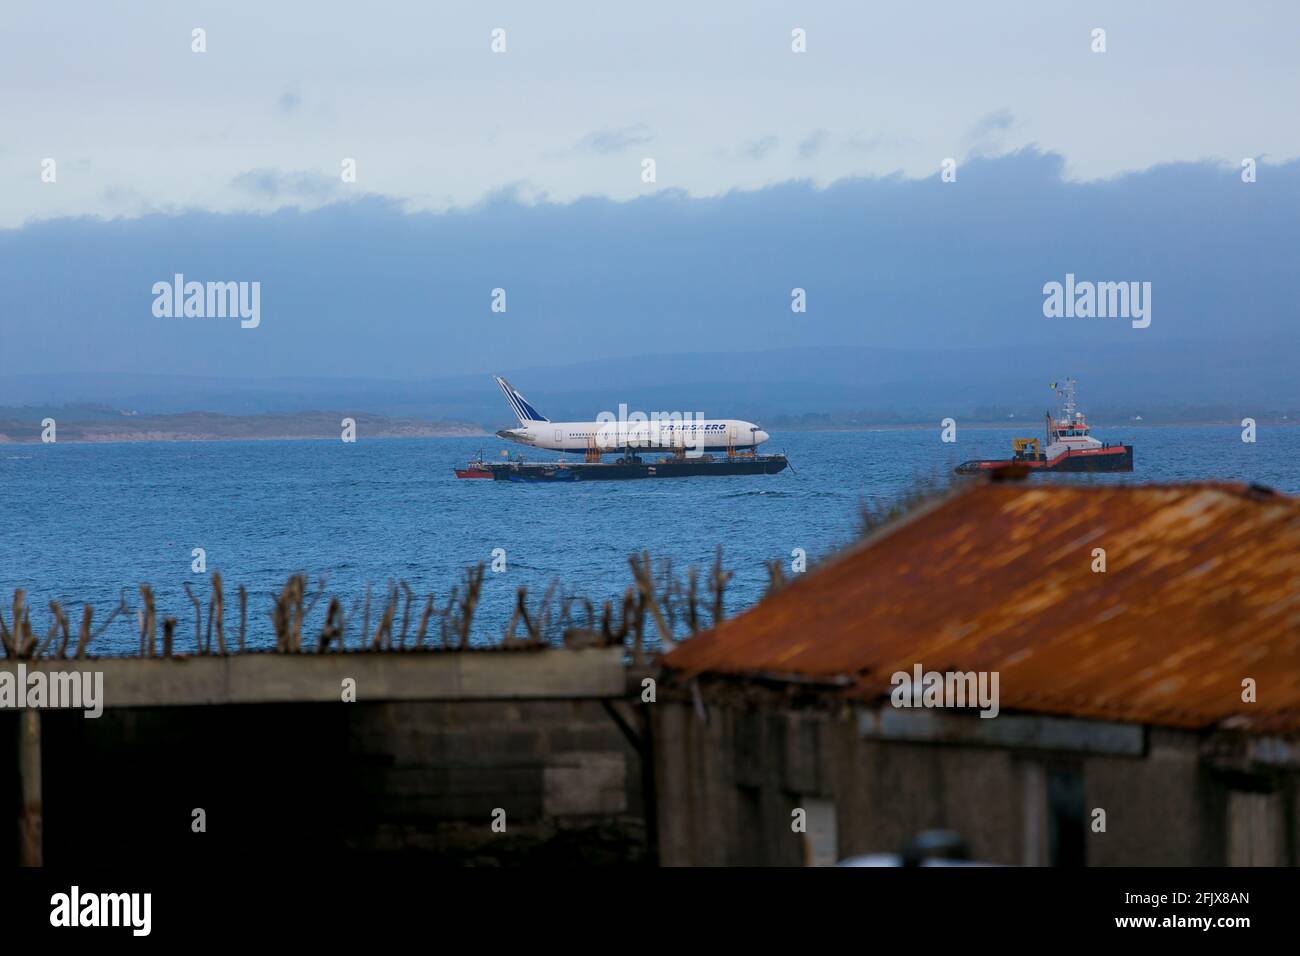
(1068, 447)
(476, 468)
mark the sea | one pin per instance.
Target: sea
(81, 523)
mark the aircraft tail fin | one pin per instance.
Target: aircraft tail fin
(524, 411)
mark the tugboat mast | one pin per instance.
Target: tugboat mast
(1065, 417)
(1066, 391)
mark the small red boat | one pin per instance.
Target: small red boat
(476, 468)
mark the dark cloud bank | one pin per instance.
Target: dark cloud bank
(916, 290)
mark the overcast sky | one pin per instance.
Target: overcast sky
(137, 122)
(522, 171)
(366, 289)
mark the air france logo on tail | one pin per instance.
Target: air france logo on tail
(524, 411)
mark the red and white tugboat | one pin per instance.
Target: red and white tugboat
(1069, 445)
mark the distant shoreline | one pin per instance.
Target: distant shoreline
(144, 437)
(369, 428)
(207, 426)
(1026, 425)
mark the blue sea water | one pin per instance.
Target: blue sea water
(79, 522)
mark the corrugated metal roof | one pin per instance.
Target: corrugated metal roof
(1201, 590)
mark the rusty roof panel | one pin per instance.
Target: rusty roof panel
(1201, 590)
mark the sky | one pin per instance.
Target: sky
(523, 171)
(138, 122)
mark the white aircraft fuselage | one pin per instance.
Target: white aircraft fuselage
(668, 432)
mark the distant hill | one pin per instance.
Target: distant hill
(805, 387)
(89, 423)
(924, 301)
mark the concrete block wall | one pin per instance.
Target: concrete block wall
(335, 780)
(433, 773)
(728, 779)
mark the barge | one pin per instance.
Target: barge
(628, 468)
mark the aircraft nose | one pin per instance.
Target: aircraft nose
(760, 436)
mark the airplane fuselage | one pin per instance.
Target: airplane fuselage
(691, 436)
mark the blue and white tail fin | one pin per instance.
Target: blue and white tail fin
(522, 409)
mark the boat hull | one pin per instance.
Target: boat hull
(1110, 458)
(637, 470)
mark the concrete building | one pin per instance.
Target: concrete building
(486, 758)
(1147, 645)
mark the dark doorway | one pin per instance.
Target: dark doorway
(1066, 817)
